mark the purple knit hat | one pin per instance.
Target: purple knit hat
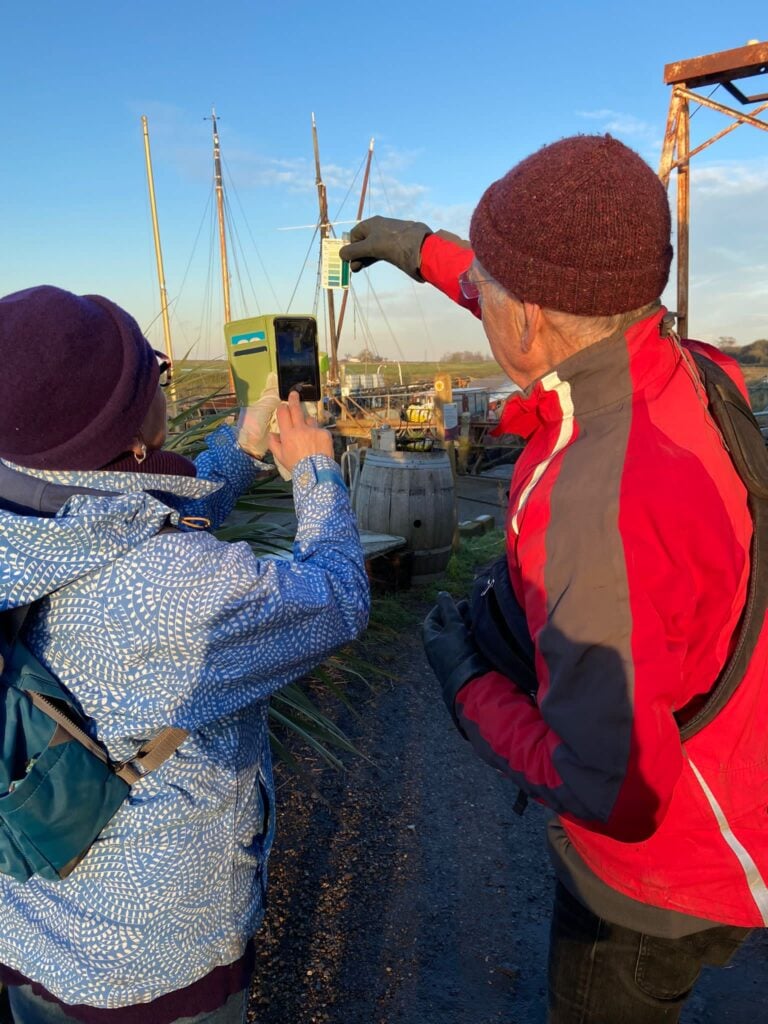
(582, 226)
(77, 379)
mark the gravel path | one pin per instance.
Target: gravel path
(406, 891)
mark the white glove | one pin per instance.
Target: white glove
(252, 430)
(284, 473)
(309, 409)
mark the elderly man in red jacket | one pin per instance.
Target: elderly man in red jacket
(628, 547)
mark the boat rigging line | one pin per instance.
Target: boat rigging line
(231, 188)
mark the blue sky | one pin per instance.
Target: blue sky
(453, 93)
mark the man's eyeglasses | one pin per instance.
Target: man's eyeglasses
(469, 285)
(165, 366)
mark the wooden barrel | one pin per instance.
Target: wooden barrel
(411, 495)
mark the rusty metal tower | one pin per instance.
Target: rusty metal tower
(685, 77)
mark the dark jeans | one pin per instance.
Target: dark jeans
(600, 973)
(27, 1008)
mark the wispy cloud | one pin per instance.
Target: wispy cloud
(730, 179)
(184, 141)
(729, 249)
(392, 160)
(453, 218)
(645, 136)
(397, 197)
(621, 123)
(389, 191)
(255, 170)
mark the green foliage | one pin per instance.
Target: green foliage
(196, 379)
(391, 615)
(263, 518)
(473, 552)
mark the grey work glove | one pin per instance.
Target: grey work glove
(397, 242)
(450, 649)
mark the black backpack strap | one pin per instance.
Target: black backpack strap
(29, 495)
(746, 446)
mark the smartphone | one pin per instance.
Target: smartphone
(297, 357)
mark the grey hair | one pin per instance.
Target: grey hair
(585, 329)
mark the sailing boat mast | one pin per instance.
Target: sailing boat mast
(220, 213)
(325, 227)
(360, 208)
(158, 252)
(219, 183)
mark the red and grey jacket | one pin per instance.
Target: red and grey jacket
(628, 537)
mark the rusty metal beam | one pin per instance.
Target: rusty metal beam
(744, 62)
(669, 164)
(685, 76)
(739, 95)
(683, 217)
(670, 137)
(705, 101)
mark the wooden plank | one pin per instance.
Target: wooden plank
(726, 65)
(375, 544)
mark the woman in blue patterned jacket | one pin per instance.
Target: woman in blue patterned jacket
(149, 629)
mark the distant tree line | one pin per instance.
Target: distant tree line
(368, 355)
(466, 357)
(755, 354)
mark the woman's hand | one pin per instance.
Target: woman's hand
(299, 435)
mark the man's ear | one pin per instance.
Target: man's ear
(533, 322)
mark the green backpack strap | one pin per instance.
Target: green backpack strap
(151, 755)
(747, 449)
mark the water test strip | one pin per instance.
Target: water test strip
(334, 271)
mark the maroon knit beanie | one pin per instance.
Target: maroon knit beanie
(582, 226)
(77, 379)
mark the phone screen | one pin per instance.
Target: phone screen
(297, 364)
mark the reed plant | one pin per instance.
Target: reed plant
(263, 518)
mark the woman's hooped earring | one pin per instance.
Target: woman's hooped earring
(141, 454)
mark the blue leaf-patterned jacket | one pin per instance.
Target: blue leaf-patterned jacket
(150, 629)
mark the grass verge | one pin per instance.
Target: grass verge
(392, 613)
(307, 711)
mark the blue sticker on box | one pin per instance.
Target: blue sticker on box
(243, 339)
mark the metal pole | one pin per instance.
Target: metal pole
(220, 213)
(725, 131)
(705, 101)
(683, 216)
(219, 183)
(685, 76)
(670, 138)
(324, 232)
(158, 256)
(360, 207)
